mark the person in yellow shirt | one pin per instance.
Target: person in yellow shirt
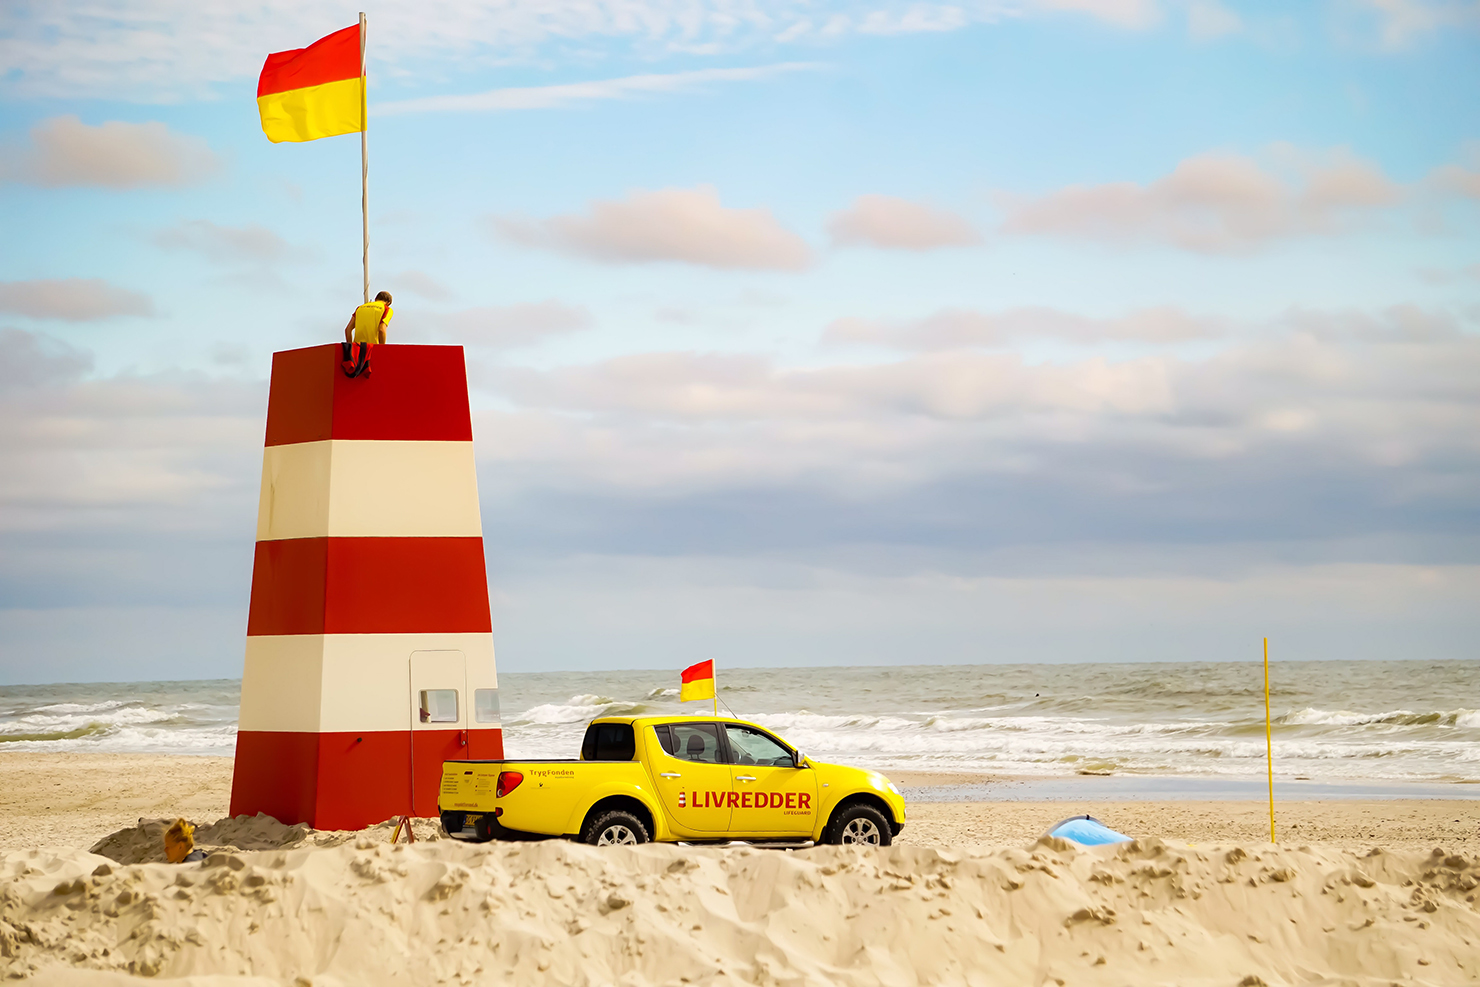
(367, 324)
(365, 328)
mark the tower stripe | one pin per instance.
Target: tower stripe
(369, 586)
(415, 393)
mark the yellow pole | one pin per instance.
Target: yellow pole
(1269, 740)
(716, 690)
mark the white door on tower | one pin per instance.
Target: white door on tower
(439, 722)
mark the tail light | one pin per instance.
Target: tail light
(507, 782)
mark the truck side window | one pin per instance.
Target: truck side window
(609, 742)
(696, 742)
(665, 739)
(753, 747)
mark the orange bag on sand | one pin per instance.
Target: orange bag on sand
(179, 840)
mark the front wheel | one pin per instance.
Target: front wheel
(616, 828)
(860, 824)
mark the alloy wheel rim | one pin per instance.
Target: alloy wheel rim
(861, 831)
(617, 836)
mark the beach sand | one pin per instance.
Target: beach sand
(1358, 892)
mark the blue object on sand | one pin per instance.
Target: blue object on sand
(1087, 831)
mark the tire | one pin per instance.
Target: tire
(483, 828)
(615, 828)
(860, 824)
(453, 822)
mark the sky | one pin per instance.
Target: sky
(799, 333)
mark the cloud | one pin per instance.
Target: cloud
(419, 283)
(509, 326)
(581, 93)
(1217, 202)
(224, 244)
(1122, 13)
(32, 360)
(73, 299)
(1209, 19)
(1456, 180)
(1316, 399)
(174, 50)
(713, 388)
(1400, 22)
(689, 226)
(899, 224)
(951, 329)
(64, 151)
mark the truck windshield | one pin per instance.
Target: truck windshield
(608, 742)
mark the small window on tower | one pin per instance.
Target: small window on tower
(485, 705)
(439, 705)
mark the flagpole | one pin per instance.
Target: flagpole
(364, 163)
(1269, 740)
(716, 689)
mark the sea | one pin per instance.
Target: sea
(1340, 729)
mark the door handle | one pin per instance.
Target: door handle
(669, 774)
(745, 777)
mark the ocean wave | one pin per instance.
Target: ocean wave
(1311, 716)
(92, 729)
(578, 709)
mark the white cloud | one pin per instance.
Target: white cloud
(65, 151)
(1218, 202)
(916, 19)
(224, 244)
(507, 326)
(73, 299)
(686, 225)
(962, 329)
(418, 283)
(899, 224)
(1401, 22)
(580, 93)
(1123, 13)
(1209, 19)
(168, 50)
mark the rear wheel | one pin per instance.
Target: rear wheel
(860, 824)
(453, 822)
(615, 828)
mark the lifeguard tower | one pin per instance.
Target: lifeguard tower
(369, 644)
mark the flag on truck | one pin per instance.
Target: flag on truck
(697, 682)
(314, 92)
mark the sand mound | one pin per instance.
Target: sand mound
(563, 913)
(144, 842)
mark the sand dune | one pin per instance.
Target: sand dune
(562, 913)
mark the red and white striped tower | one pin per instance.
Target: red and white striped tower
(369, 644)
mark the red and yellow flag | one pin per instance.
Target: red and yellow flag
(314, 92)
(697, 682)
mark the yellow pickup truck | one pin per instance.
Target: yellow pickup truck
(690, 779)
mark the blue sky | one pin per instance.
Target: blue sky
(798, 333)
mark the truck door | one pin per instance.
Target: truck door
(776, 798)
(692, 777)
(439, 722)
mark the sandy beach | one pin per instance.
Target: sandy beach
(1357, 892)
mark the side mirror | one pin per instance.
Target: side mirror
(798, 759)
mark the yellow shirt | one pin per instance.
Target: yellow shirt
(369, 317)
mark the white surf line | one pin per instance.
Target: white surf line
(576, 93)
